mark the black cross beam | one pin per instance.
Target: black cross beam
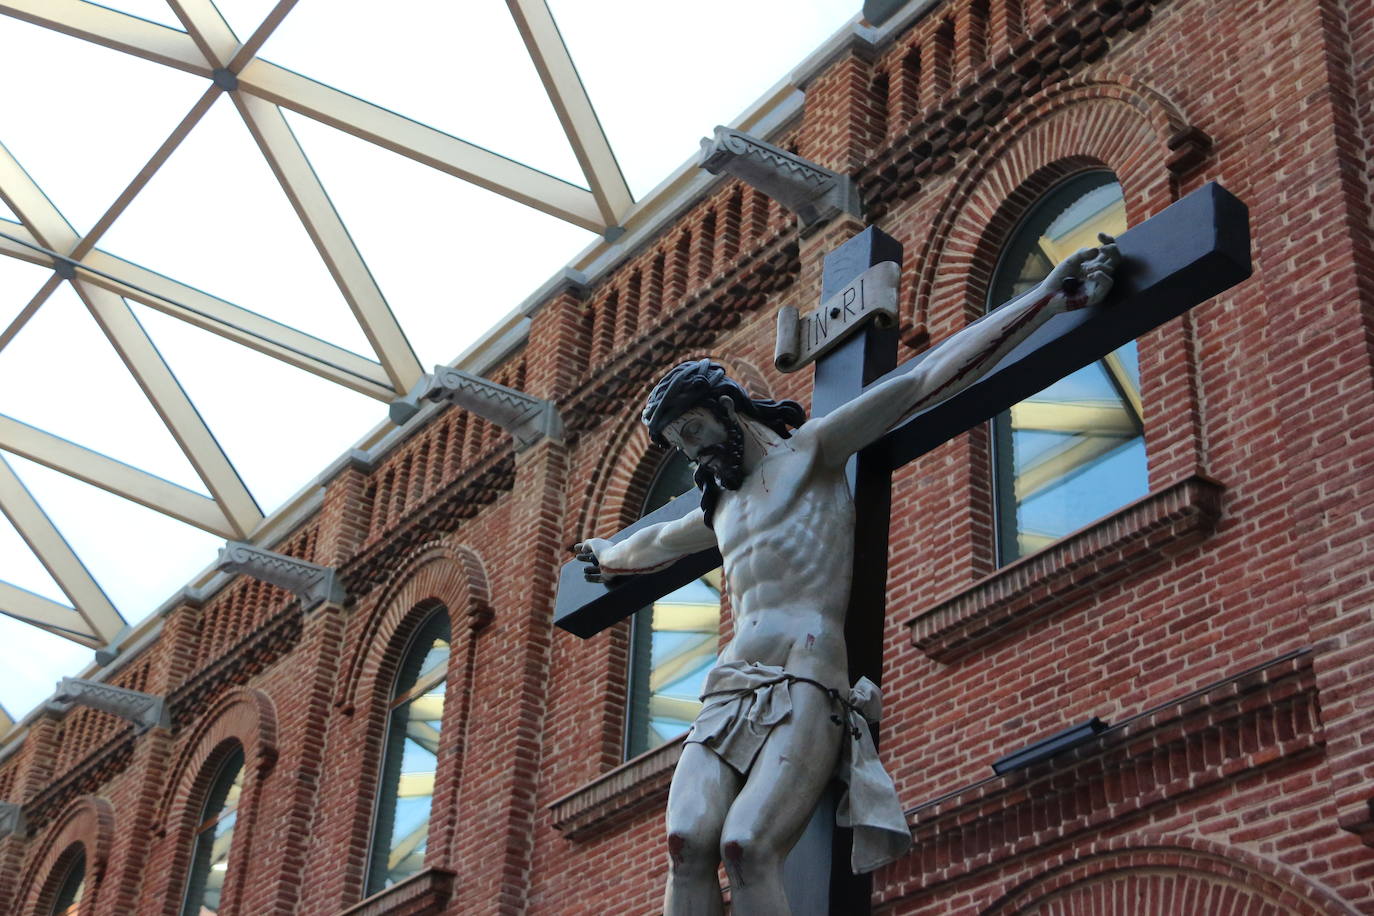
(1179, 258)
(1175, 260)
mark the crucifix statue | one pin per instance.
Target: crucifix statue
(781, 717)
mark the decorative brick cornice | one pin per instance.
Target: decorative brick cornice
(422, 894)
(1247, 721)
(1058, 48)
(693, 324)
(1123, 543)
(246, 658)
(616, 796)
(488, 478)
(87, 778)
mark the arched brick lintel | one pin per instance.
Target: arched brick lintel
(1117, 123)
(615, 494)
(87, 822)
(1269, 884)
(437, 573)
(614, 498)
(243, 715)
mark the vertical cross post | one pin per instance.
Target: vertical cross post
(841, 376)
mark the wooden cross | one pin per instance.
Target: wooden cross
(1175, 260)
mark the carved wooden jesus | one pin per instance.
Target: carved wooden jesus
(779, 714)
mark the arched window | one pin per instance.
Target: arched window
(1076, 451)
(406, 789)
(68, 899)
(673, 643)
(214, 836)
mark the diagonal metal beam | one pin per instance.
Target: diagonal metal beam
(34, 208)
(422, 143)
(280, 341)
(113, 29)
(113, 476)
(288, 161)
(167, 397)
(574, 108)
(49, 616)
(146, 173)
(30, 308)
(207, 29)
(87, 597)
(296, 348)
(260, 35)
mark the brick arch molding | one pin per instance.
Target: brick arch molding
(612, 500)
(1121, 124)
(617, 488)
(1157, 875)
(244, 716)
(438, 572)
(87, 822)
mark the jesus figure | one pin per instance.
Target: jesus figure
(780, 718)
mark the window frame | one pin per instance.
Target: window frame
(632, 678)
(395, 700)
(1005, 509)
(204, 822)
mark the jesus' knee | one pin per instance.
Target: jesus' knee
(748, 858)
(691, 855)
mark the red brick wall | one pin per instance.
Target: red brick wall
(1222, 625)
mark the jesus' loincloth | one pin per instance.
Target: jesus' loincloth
(745, 702)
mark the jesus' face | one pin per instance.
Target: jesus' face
(713, 440)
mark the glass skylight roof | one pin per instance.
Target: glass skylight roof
(84, 120)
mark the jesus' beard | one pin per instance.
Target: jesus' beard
(726, 467)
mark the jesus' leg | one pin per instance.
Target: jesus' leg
(703, 788)
(771, 811)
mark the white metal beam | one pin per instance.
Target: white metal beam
(30, 309)
(288, 161)
(167, 397)
(574, 108)
(113, 29)
(114, 476)
(422, 143)
(207, 29)
(50, 616)
(264, 31)
(145, 174)
(296, 348)
(34, 209)
(88, 599)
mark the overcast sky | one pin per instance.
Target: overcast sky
(83, 119)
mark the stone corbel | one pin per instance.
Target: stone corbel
(11, 820)
(143, 709)
(814, 193)
(312, 584)
(527, 418)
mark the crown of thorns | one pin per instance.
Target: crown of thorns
(702, 382)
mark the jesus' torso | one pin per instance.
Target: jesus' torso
(787, 536)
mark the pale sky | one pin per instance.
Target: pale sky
(83, 119)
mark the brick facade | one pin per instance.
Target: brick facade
(1222, 624)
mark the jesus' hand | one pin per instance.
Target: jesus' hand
(588, 552)
(1086, 276)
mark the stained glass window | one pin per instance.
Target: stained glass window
(673, 642)
(401, 833)
(1075, 451)
(214, 836)
(68, 900)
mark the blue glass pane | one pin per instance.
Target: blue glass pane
(406, 791)
(1073, 452)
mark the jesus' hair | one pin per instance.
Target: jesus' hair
(702, 383)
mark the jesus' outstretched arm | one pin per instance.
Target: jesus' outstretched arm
(648, 549)
(1080, 280)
